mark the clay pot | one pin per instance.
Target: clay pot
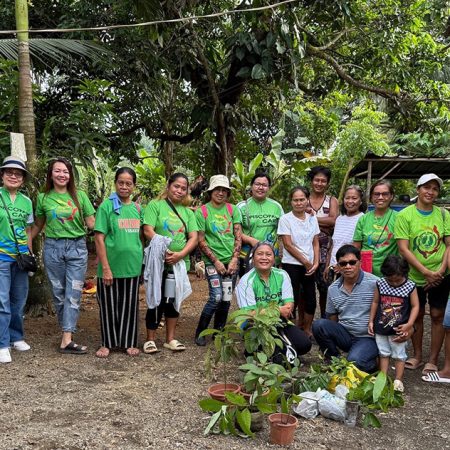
(217, 391)
(282, 428)
(247, 395)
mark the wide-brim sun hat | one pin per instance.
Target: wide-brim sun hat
(218, 181)
(429, 177)
(14, 162)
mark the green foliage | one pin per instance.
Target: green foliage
(8, 103)
(242, 177)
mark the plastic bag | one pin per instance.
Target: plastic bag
(341, 391)
(309, 406)
(332, 407)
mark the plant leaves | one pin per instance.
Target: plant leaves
(380, 383)
(210, 405)
(244, 419)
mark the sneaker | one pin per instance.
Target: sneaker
(200, 341)
(5, 356)
(398, 386)
(21, 346)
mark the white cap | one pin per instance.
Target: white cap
(429, 177)
(218, 181)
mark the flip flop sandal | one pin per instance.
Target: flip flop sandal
(175, 346)
(429, 367)
(413, 364)
(433, 377)
(150, 347)
(73, 349)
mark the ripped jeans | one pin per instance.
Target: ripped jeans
(66, 263)
(215, 303)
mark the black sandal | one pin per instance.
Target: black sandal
(73, 349)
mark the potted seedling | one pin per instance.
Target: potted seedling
(283, 424)
(223, 349)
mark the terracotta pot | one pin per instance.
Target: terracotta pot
(247, 395)
(282, 428)
(217, 391)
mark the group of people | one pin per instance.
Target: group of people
(365, 288)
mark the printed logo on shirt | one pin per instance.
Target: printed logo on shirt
(428, 241)
(130, 225)
(391, 310)
(172, 224)
(64, 211)
(380, 237)
(221, 224)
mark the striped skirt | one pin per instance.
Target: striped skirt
(119, 312)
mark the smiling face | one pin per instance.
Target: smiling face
(381, 197)
(13, 179)
(263, 258)
(427, 194)
(319, 184)
(352, 202)
(60, 175)
(260, 188)
(219, 195)
(299, 202)
(124, 186)
(177, 190)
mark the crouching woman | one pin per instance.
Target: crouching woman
(265, 283)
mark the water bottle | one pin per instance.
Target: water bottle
(169, 286)
(227, 289)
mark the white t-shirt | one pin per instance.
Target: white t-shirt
(302, 233)
(344, 229)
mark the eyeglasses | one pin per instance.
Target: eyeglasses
(260, 185)
(10, 173)
(381, 194)
(352, 262)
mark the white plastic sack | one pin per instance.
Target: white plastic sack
(332, 407)
(309, 406)
(341, 391)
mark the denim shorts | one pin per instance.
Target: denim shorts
(446, 322)
(388, 348)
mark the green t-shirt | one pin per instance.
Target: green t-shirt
(21, 212)
(425, 234)
(218, 227)
(63, 220)
(122, 240)
(252, 290)
(165, 222)
(377, 234)
(260, 221)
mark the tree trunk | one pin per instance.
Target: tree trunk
(39, 294)
(167, 150)
(225, 143)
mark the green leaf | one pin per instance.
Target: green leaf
(208, 332)
(235, 399)
(210, 405)
(258, 72)
(380, 383)
(212, 422)
(244, 419)
(371, 420)
(244, 72)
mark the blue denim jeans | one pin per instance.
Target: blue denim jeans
(13, 296)
(332, 336)
(66, 263)
(215, 304)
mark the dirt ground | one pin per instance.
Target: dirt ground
(54, 401)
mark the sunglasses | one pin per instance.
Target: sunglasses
(352, 262)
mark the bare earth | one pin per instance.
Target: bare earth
(54, 401)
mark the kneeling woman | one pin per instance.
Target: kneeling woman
(264, 283)
(120, 251)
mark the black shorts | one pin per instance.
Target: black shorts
(437, 297)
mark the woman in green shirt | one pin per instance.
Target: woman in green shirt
(265, 283)
(169, 216)
(374, 232)
(260, 216)
(120, 251)
(65, 212)
(17, 208)
(219, 240)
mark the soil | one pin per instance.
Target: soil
(54, 401)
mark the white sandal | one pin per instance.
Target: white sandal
(150, 347)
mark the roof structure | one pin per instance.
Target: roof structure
(374, 167)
